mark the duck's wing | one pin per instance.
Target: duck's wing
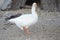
(13, 16)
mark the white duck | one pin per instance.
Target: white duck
(24, 21)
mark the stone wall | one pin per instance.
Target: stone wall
(16, 4)
(50, 5)
(4, 4)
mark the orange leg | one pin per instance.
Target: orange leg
(26, 30)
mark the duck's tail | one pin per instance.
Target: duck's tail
(13, 16)
(7, 19)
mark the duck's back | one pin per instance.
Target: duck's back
(27, 19)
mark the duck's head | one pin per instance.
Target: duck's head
(34, 5)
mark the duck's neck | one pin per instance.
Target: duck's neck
(33, 10)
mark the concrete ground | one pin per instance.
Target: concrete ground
(47, 27)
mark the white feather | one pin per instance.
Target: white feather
(26, 19)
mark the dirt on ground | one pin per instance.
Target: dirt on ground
(47, 27)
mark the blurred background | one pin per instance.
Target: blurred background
(50, 5)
